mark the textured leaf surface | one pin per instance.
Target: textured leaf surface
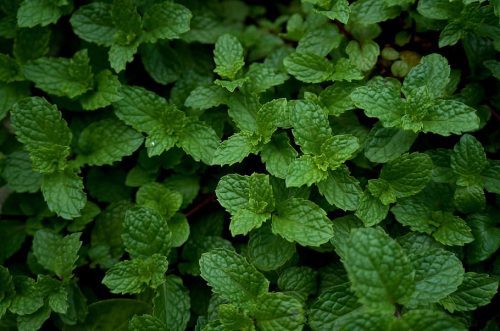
(63, 192)
(134, 276)
(40, 127)
(107, 141)
(302, 221)
(231, 276)
(145, 232)
(276, 311)
(55, 252)
(380, 272)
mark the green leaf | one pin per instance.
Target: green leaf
(33, 321)
(146, 322)
(57, 253)
(342, 227)
(494, 67)
(228, 56)
(469, 199)
(341, 189)
(451, 34)
(304, 171)
(106, 91)
(232, 277)
(299, 282)
(368, 12)
(9, 69)
(408, 174)
(262, 77)
(56, 293)
(246, 220)
(308, 67)
(39, 12)
(28, 299)
(147, 112)
(134, 276)
(432, 320)
(12, 236)
(107, 141)
(339, 148)
(9, 95)
(267, 251)
(365, 320)
(19, 174)
(468, 160)
(305, 116)
(111, 314)
(346, 70)
(232, 192)
(432, 73)
(63, 192)
(160, 198)
(120, 55)
(380, 272)
(145, 232)
(278, 154)
(319, 42)
(205, 97)
(93, 23)
(61, 76)
(439, 10)
(486, 236)
(475, 291)
(450, 117)
(386, 144)
(233, 150)
(199, 141)
(171, 304)
(438, 273)
(332, 304)
(491, 177)
(302, 221)
(232, 318)
(370, 209)
(337, 97)
(165, 20)
(452, 229)
(278, 312)
(380, 98)
(364, 55)
(46, 136)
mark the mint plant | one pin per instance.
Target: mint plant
(249, 165)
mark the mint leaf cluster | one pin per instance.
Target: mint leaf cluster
(226, 165)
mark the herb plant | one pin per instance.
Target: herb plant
(249, 165)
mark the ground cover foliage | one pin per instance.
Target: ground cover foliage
(249, 165)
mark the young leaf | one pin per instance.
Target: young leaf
(232, 277)
(373, 253)
(57, 253)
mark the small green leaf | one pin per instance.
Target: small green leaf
(371, 254)
(232, 277)
(228, 56)
(63, 192)
(57, 253)
(107, 141)
(61, 76)
(308, 67)
(302, 221)
(277, 311)
(46, 136)
(145, 232)
(134, 276)
(475, 291)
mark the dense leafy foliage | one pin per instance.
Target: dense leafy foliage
(249, 165)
